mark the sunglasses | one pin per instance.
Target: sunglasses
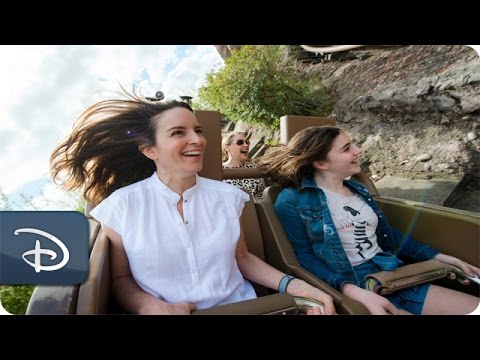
(240, 142)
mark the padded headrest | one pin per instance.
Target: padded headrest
(291, 124)
(211, 122)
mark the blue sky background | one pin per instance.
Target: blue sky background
(45, 88)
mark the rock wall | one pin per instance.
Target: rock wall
(226, 50)
(404, 104)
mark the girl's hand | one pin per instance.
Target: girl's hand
(376, 304)
(464, 266)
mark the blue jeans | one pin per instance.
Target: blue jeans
(410, 299)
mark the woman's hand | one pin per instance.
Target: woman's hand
(298, 287)
(464, 266)
(158, 307)
(376, 304)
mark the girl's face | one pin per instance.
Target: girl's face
(342, 158)
(180, 143)
(238, 148)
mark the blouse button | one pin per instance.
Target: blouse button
(369, 199)
(186, 200)
(384, 235)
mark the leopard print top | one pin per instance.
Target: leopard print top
(252, 185)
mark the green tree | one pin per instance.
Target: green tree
(15, 299)
(257, 85)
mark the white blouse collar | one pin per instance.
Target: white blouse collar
(165, 190)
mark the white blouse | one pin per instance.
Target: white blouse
(176, 261)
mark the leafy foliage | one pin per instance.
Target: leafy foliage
(257, 85)
(15, 298)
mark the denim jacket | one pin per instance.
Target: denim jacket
(309, 225)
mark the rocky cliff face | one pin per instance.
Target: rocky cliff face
(404, 102)
(226, 50)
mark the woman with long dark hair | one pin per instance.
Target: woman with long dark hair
(177, 242)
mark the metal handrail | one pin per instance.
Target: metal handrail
(329, 49)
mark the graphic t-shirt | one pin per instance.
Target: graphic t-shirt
(356, 223)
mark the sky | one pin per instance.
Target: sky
(45, 88)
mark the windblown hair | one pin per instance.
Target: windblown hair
(289, 164)
(102, 153)
(227, 140)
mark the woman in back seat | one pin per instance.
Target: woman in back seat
(177, 240)
(338, 232)
(235, 148)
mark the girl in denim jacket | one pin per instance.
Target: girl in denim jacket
(338, 232)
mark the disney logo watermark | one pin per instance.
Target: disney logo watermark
(38, 251)
(43, 247)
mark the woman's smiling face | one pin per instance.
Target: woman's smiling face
(239, 148)
(180, 143)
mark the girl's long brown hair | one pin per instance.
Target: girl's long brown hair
(289, 164)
